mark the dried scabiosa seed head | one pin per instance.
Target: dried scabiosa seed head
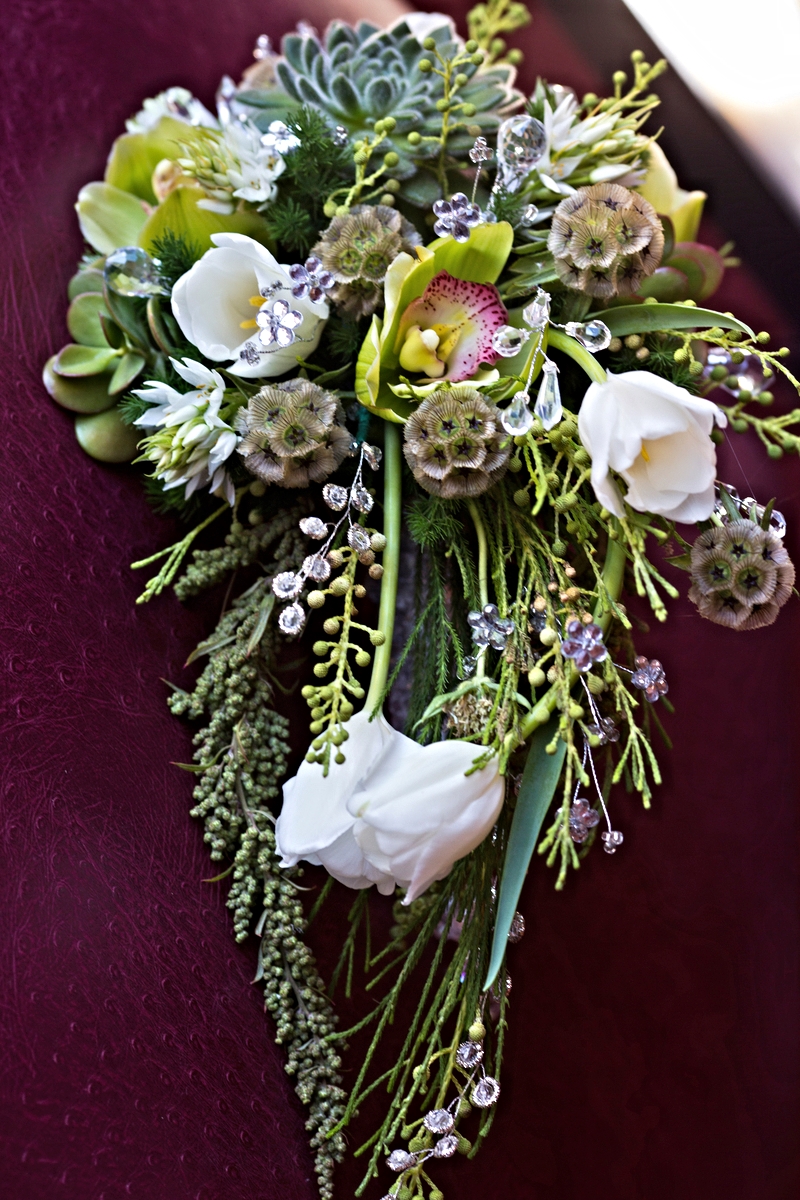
(293, 434)
(741, 575)
(455, 445)
(605, 240)
(357, 250)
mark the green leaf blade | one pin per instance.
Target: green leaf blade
(655, 318)
(539, 782)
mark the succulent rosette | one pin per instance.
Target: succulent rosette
(521, 408)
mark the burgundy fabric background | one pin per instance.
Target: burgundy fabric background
(653, 1043)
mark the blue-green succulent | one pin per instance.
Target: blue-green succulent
(357, 75)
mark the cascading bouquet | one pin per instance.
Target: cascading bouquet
(431, 347)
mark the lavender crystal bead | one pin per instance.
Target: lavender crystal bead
(582, 818)
(649, 677)
(584, 645)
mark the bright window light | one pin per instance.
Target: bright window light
(743, 60)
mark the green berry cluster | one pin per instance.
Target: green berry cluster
(330, 702)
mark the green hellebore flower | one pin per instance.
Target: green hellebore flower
(436, 321)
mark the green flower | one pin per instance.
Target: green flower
(441, 312)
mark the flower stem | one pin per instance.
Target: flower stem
(483, 551)
(560, 341)
(483, 571)
(392, 511)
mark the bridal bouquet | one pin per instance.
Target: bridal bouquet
(429, 364)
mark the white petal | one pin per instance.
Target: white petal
(420, 812)
(314, 812)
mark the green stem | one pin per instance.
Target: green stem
(567, 345)
(483, 571)
(483, 551)
(392, 512)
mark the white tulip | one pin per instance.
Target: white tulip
(656, 436)
(394, 813)
(223, 305)
(315, 823)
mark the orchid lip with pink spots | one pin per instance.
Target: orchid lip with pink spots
(462, 313)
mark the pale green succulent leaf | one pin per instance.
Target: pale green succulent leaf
(88, 394)
(128, 367)
(83, 320)
(109, 217)
(106, 437)
(83, 360)
(90, 280)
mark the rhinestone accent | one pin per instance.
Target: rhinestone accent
(317, 568)
(362, 499)
(469, 1055)
(313, 527)
(292, 619)
(358, 538)
(334, 496)
(446, 1146)
(401, 1160)
(486, 1092)
(131, 271)
(287, 585)
(439, 1120)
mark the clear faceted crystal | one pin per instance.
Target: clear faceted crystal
(521, 142)
(358, 538)
(592, 335)
(469, 1055)
(317, 568)
(401, 1160)
(373, 455)
(548, 403)
(334, 496)
(287, 585)
(292, 619)
(439, 1120)
(481, 151)
(507, 341)
(611, 840)
(517, 930)
(340, 136)
(517, 419)
(446, 1146)
(362, 499)
(529, 215)
(313, 527)
(468, 667)
(131, 271)
(537, 313)
(486, 1092)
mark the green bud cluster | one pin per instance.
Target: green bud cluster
(242, 547)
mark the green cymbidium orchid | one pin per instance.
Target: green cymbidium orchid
(441, 310)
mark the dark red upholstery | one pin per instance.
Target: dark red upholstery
(652, 1053)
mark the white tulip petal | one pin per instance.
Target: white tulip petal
(314, 812)
(657, 437)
